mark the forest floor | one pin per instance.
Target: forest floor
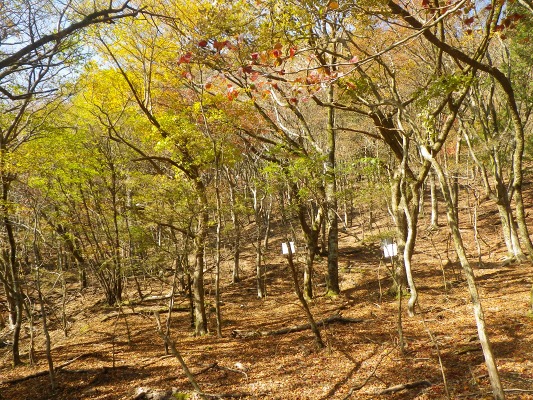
(113, 354)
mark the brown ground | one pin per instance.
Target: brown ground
(362, 357)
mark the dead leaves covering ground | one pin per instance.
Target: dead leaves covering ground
(360, 361)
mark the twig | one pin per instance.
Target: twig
(372, 374)
(410, 385)
(436, 344)
(214, 365)
(518, 390)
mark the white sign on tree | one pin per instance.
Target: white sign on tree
(390, 249)
(285, 248)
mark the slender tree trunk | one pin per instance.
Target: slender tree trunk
(258, 211)
(308, 273)
(200, 319)
(434, 224)
(490, 361)
(117, 259)
(171, 305)
(303, 302)
(16, 301)
(411, 213)
(49, 358)
(399, 278)
(267, 216)
(331, 199)
(235, 276)
(218, 243)
(261, 292)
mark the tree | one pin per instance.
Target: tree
(36, 44)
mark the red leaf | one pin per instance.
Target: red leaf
(276, 53)
(292, 51)
(425, 3)
(254, 56)
(219, 45)
(469, 21)
(516, 16)
(202, 43)
(185, 59)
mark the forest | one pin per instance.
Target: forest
(265, 199)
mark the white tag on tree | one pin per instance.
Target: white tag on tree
(285, 248)
(390, 250)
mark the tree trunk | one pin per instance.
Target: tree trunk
(235, 276)
(434, 224)
(399, 278)
(308, 273)
(299, 293)
(218, 243)
(200, 320)
(490, 362)
(331, 200)
(261, 292)
(51, 370)
(16, 299)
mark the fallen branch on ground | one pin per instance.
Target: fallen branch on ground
(336, 318)
(518, 390)
(215, 365)
(410, 385)
(211, 366)
(142, 312)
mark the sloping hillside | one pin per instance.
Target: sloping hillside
(111, 353)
